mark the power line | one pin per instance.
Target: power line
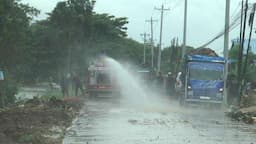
(237, 10)
(235, 22)
(177, 4)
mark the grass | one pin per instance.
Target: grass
(26, 138)
(57, 93)
(52, 93)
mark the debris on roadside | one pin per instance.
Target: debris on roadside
(247, 115)
(246, 111)
(38, 121)
(249, 99)
(32, 102)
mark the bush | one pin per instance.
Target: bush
(9, 88)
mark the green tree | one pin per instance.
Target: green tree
(233, 55)
(15, 21)
(72, 34)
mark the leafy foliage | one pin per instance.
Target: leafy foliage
(172, 58)
(72, 34)
(15, 21)
(64, 42)
(251, 69)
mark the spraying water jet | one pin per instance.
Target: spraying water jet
(132, 90)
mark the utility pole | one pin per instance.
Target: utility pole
(144, 35)
(152, 41)
(251, 19)
(240, 52)
(185, 30)
(226, 46)
(241, 82)
(162, 9)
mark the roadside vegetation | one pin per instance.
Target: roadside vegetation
(36, 51)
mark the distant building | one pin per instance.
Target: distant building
(252, 45)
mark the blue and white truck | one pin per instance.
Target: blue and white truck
(203, 79)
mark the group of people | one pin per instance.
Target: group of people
(75, 82)
(171, 83)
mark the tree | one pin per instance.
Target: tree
(15, 20)
(72, 33)
(233, 55)
(14, 25)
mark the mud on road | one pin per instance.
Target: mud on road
(112, 121)
(38, 122)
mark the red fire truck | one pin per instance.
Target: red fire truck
(100, 79)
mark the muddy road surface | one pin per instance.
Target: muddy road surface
(106, 120)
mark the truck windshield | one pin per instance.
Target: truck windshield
(204, 74)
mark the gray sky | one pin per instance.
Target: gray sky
(205, 18)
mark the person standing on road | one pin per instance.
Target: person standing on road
(77, 84)
(178, 84)
(170, 83)
(160, 80)
(64, 85)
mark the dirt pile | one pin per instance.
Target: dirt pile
(247, 115)
(249, 99)
(38, 122)
(203, 51)
(247, 110)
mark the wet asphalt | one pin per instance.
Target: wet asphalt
(111, 120)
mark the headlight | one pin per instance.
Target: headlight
(221, 89)
(189, 87)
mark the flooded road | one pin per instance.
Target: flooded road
(111, 121)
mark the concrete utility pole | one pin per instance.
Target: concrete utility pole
(144, 35)
(152, 41)
(240, 75)
(162, 9)
(251, 20)
(226, 46)
(240, 52)
(185, 30)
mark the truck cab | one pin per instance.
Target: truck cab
(203, 79)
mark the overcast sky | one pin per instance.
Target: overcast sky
(205, 18)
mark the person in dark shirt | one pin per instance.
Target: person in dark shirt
(160, 80)
(64, 85)
(170, 83)
(77, 84)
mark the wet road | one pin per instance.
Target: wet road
(111, 121)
